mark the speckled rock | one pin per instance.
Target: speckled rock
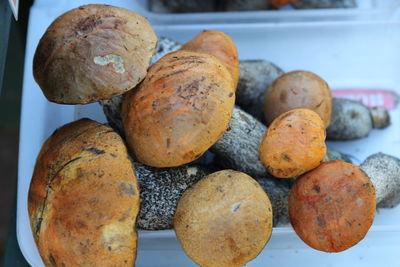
(310, 4)
(278, 191)
(164, 46)
(384, 172)
(238, 148)
(160, 191)
(350, 120)
(332, 154)
(255, 78)
(112, 107)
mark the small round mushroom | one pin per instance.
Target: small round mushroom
(255, 78)
(180, 110)
(223, 220)
(332, 207)
(384, 172)
(221, 46)
(93, 52)
(298, 89)
(294, 143)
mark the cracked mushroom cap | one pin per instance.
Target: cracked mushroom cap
(180, 110)
(93, 52)
(84, 198)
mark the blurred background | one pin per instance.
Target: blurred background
(12, 53)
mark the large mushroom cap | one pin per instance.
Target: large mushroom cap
(181, 109)
(224, 220)
(93, 52)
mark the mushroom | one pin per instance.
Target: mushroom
(298, 89)
(384, 172)
(221, 46)
(294, 143)
(183, 107)
(93, 52)
(332, 207)
(225, 219)
(112, 107)
(352, 120)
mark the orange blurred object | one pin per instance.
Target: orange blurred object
(279, 3)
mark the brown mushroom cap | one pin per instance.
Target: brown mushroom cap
(298, 89)
(181, 109)
(221, 46)
(293, 144)
(84, 198)
(92, 53)
(332, 207)
(225, 219)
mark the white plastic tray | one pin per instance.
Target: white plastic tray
(346, 54)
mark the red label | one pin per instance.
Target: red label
(369, 97)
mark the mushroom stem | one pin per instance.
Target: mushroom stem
(255, 78)
(238, 148)
(384, 172)
(353, 120)
(332, 154)
(160, 191)
(278, 191)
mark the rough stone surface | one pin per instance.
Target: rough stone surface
(160, 191)
(350, 120)
(384, 172)
(238, 148)
(255, 78)
(278, 191)
(332, 154)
